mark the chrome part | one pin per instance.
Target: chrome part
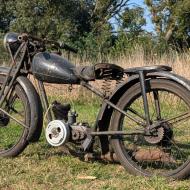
(11, 39)
(57, 133)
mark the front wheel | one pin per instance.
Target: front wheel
(13, 136)
(166, 150)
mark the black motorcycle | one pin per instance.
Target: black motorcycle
(144, 123)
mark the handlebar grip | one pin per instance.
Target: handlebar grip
(66, 47)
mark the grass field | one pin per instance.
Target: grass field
(43, 167)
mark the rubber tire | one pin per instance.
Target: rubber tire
(36, 122)
(36, 118)
(23, 142)
(127, 96)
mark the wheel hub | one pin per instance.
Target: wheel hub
(4, 119)
(161, 135)
(155, 136)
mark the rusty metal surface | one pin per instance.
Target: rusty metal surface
(153, 155)
(108, 157)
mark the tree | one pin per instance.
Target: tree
(132, 20)
(5, 17)
(43, 17)
(84, 23)
(172, 20)
(46, 16)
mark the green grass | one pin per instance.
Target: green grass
(43, 167)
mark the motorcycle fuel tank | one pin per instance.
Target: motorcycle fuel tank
(52, 68)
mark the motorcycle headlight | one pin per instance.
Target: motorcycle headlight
(11, 38)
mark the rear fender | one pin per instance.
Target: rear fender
(105, 113)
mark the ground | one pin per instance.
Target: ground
(41, 166)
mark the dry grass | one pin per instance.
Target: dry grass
(180, 64)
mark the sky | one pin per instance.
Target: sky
(149, 26)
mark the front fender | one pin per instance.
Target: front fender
(105, 113)
(35, 105)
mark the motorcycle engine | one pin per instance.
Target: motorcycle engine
(64, 128)
(59, 133)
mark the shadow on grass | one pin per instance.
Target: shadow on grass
(47, 151)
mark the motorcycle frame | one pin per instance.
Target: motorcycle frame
(10, 78)
(13, 73)
(85, 84)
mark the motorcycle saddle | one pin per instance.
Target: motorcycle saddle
(99, 71)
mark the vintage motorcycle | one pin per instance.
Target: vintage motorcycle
(144, 123)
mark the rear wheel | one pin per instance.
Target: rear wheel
(166, 151)
(13, 136)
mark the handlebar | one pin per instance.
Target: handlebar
(60, 45)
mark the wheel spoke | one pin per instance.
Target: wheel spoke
(178, 118)
(136, 113)
(21, 113)
(15, 112)
(158, 153)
